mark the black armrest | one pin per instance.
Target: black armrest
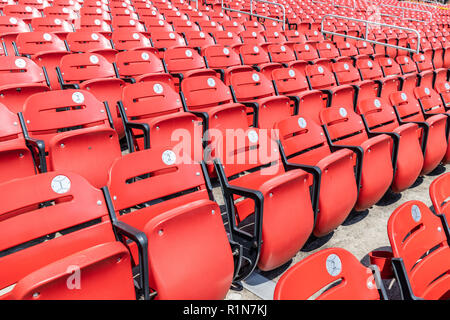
(329, 96)
(315, 171)
(129, 80)
(255, 107)
(296, 100)
(178, 75)
(138, 237)
(39, 145)
(250, 243)
(400, 274)
(356, 149)
(144, 127)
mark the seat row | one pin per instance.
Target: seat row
(420, 255)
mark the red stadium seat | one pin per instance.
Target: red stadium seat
(421, 252)
(344, 127)
(353, 280)
(16, 157)
(304, 143)
(269, 209)
(154, 116)
(257, 92)
(76, 130)
(85, 262)
(432, 133)
(177, 224)
(379, 116)
(92, 72)
(20, 77)
(45, 49)
(439, 193)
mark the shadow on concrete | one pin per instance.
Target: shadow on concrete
(439, 170)
(389, 198)
(417, 183)
(272, 274)
(314, 243)
(355, 217)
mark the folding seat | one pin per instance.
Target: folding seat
(293, 37)
(327, 50)
(273, 36)
(269, 209)
(425, 68)
(92, 24)
(138, 65)
(280, 53)
(76, 130)
(338, 272)
(154, 24)
(365, 48)
(443, 89)
(74, 5)
(169, 220)
(56, 202)
(24, 12)
(91, 42)
(183, 62)
(163, 40)
(258, 58)
(253, 26)
(383, 85)
(303, 143)
(409, 71)
(321, 78)
(127, 12)
(52, 25)
(379, 116)
(20, 77)
(127, 24)
(126, 40)
(10, 27)
(421, 252)
(257, 92)
(210, 99)
(251, 37)
(173, 15)
(16, 151)
(431, 104)
(153, 115)
(306, 52)
(439, 193)
(432, 128)
(233, 26)
(38, 4)
(45, 49)
(273, 26)
(374, 167)
(291, 83)
(184, 26)
(96, 12)
(223, 60)
(62, 13)
(92, 72)
(438, 53)
(209, 26)
(314, 36)
(199, 40)
(228, 38)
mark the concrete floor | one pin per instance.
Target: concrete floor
(361, 233)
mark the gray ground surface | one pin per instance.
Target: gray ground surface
(361, 233)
